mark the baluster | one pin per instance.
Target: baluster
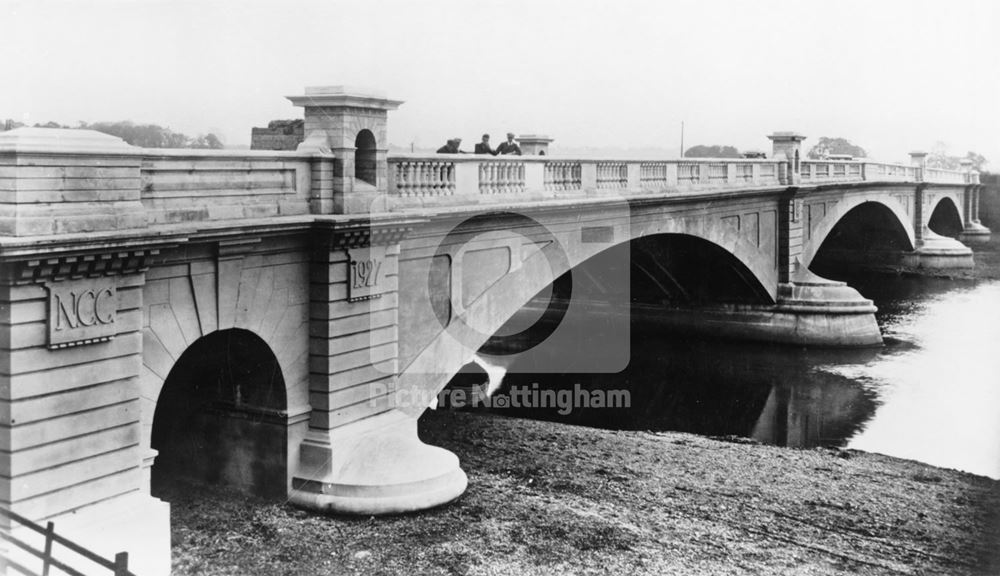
(427, 186)
(433, 181)
(418, 179)
(440, 186)
(400, 170)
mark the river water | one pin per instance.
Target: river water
(931, 393)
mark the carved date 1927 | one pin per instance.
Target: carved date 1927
(366, 272)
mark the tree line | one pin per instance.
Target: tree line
(142, 135)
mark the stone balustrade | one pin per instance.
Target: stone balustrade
(561, 175)
(501, 177)
(946, 176)
(830, 171)
(612, 175)
(887, 172)
(62, 181)
(422, 178)
(473, 178)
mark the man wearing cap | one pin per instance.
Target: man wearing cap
(484, 146)
(509, 147)
(452, 147)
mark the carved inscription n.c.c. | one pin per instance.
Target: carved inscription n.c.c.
(81, 311)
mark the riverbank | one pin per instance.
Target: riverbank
(549, 498)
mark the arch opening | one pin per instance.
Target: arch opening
(365, 161)
(220, 417)
(659, 271)
(869, 235)
(946, 219)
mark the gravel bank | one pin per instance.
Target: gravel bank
(549, 498)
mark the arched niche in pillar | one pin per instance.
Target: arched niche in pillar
(365, 159)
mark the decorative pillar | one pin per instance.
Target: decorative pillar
(974, 232)
(361, 454)
(534, 144)
(919, 160)
(349, 123)
(786, 145)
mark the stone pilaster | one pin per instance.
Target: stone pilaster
(789, 235)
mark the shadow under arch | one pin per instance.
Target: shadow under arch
(946, 219)
(868, 233)
(441, 348)
(220, 418)
(661, 270)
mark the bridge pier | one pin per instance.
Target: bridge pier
(811, 311)
(974, 232)
(936, 253)
(361, 454)
(815, 311)
(375, 466)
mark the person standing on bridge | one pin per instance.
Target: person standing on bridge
(484, 146)
(452, 147)
(509, 147)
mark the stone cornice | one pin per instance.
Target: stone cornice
(74, 267)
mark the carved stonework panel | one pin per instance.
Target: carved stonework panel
(367, 268)
(81, 311)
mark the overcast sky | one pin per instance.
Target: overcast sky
(891, 76)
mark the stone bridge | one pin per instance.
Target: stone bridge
(276, 321)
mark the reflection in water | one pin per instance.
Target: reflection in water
(941, 395)
(931, 394)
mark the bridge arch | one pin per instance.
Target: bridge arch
(251, 302)
(944, 217)
(442, 351)
(851, 208)
(218, 417)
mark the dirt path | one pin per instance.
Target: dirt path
(548, 498)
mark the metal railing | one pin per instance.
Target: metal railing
(118, 566)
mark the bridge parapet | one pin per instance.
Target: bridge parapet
(890, 172)
(196, 185)
(439, 179)
(418, 179)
